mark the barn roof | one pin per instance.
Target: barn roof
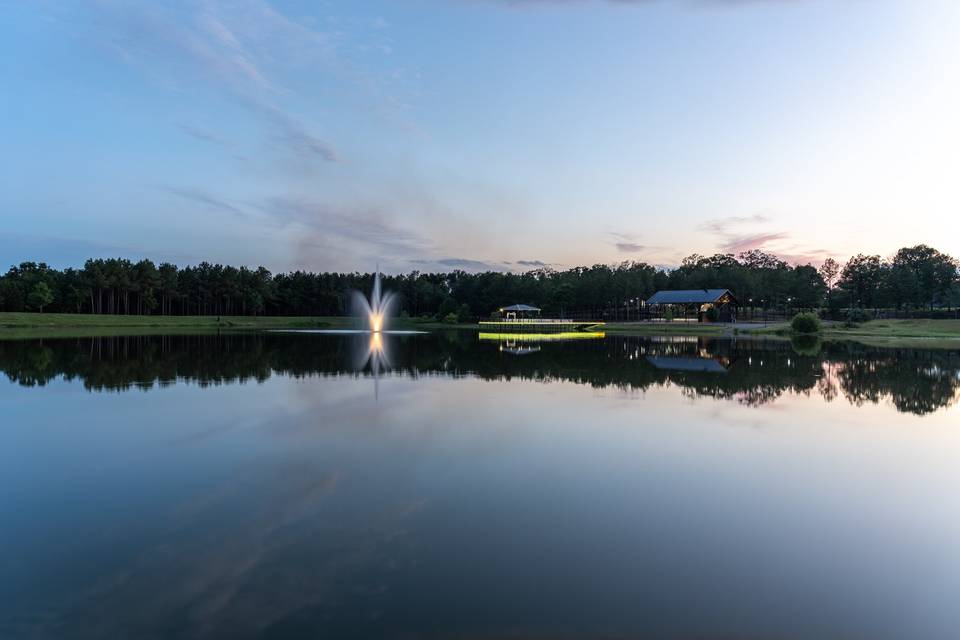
(519, 307)
(703, 365)
(688, 296)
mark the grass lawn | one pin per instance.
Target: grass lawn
(664, 328)
(900, 333)
(933, 334)
(70, 325)
(919, 333)
(29, 325)
(902, 329)
(54, 320)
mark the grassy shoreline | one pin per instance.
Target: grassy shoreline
(918, 333)
(932, 334)
(69, 325)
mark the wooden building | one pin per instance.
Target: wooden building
(695, 303)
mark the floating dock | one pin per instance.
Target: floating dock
(540, 326)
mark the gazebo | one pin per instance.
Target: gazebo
(519, 312)
(525, 319)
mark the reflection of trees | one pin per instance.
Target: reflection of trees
(912, 379)
(752, 372)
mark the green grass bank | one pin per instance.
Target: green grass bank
(933, 333)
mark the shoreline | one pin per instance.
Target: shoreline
(892, 333)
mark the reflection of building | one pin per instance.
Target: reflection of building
(697, 303)
(703, 365)
(518, 348)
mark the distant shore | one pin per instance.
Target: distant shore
(62, 325)
(903, 333)
(894, 333)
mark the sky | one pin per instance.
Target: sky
(476, 134)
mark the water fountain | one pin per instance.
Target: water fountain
(376, 309)
(373, 314)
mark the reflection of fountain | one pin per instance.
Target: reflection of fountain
(377, 357)
(375, 354)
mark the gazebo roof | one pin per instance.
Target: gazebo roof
(519, 307)
(688, 296)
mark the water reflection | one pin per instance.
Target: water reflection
(489, 493)
(750, 372)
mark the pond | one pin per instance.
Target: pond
(306, 485)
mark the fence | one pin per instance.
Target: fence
(743, 314)
(657, 314)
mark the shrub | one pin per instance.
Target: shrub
(712, 314)
(448, 306)
(806, 323)
(668, 314)
(856, 315)
(451, 318)
(464, 314)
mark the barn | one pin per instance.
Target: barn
(695, 303)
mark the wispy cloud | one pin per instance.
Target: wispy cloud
(230, 47)
(722, 226)
(799, 255)
(212, 138)
(466, 264)
(199, 196)
(737, 234)
(537, 264)
(749, 242)
(323, 226)
(295, 135)
(626, 242)
(201, 134)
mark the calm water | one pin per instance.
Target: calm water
(272, 486)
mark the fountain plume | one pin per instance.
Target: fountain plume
(376, 309)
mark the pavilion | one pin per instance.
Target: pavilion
(519, 312)
(698, 302)
(525, 319)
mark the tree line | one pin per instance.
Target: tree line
(918, 277)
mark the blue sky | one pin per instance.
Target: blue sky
(436, 134)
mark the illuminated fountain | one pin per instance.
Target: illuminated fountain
(374, 312)
(376, 309)
(369, 341)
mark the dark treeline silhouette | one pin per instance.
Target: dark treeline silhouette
(751, 372)
(914, 278)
